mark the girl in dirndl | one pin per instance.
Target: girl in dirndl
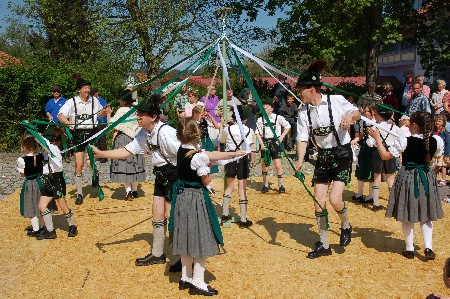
(30, 166)
(415, 195)
(129, 171)
(193, 220)
(363, 170)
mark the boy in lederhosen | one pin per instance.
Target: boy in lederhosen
(81, 113)
(268, 141)
(234, 141)
(161, 140)
(326, 119)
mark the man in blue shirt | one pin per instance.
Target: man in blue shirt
(418, 101)
(54, 104)
(101, 123)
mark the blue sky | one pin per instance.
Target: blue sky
(263, 20)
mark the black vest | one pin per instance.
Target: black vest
(185, 172)
(30, 169)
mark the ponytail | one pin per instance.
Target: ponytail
(425, 123)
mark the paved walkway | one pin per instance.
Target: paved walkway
(10, 179)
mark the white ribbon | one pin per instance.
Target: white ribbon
(246, 147)
(373, 123)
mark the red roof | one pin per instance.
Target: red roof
(6, 58)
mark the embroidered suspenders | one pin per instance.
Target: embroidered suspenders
(238, 146)
(158, 147)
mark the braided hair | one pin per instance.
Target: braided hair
(188, 131)
(425, 123)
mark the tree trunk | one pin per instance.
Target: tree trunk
(373, 14)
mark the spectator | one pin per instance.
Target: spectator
(369, 97)
(390, 98)
(52, 110)
(437, 97)
(102, 123)
(425, 88)
(279, 93)
(219, 108)
(210, 100)
(407, 91)
(193, 101)
(181, 99)
(289, 110)
(418, 101)
(446, 101)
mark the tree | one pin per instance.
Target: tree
(346, 33)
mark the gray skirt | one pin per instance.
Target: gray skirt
(32, 194)
(130, 170)
(405, 207)
(192, 234)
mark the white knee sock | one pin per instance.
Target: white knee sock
(343, 215)
(35, 223)
(321, 224)
(226, 205)
(79, 182)
(127, 187)
(198, 277)
(159, 234)
(48, 219)
(265, 179)
(360, 189)
(408, 233)
(134, 186)
(427, 233)
(280, 180)
(69, 217)
(376, 195)
(243, 205)
(186, 269)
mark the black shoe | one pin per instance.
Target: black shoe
(245, 224)
(264, 189)
(429, 254)
(225, 218)
(32, 233)
(408, 254)
(79, 199)
(45, 234)
(176, 267)
(183, 285)
(135, 194)
(103, 160)
(150, 259)
(193, 290)
(319, 251)
(73, 231)
(357, 198)
(377, 208)
(129, 196)
(346, 236)
(364, 201)
(28, 229)
(281, 190)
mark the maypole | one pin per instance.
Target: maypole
(222, 14)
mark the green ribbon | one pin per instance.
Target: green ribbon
(66, 125)
(419, 170)
(95, 173)
(34, 131)
(265, 155)
(36, 177)
(178, 188)
(208, 146)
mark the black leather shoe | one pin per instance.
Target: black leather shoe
(364, 200)
(281, 190)
(319, 251)
(73, 231)
(193, 290)
(429, 254)
(129, 196)
(176, 267)
(245, 224)
(150, 259)
(346, 236)
(225, 218)
(264, 189)
(357, 198)
(32, 233)
(135, 194)
(79, 199)
(45, 234)
(183, 285)
(408, 254)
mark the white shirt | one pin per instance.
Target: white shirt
(84, 112)
(391, 141)
(167, 141)
(129, 128)
(230, 110)
(281, 122)
(200, 161)
(440, 146)
(234, 129)
(320, 118)
(436, 99)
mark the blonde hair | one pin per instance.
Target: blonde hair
(444, 121)
(198, 109)
(28, 143)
